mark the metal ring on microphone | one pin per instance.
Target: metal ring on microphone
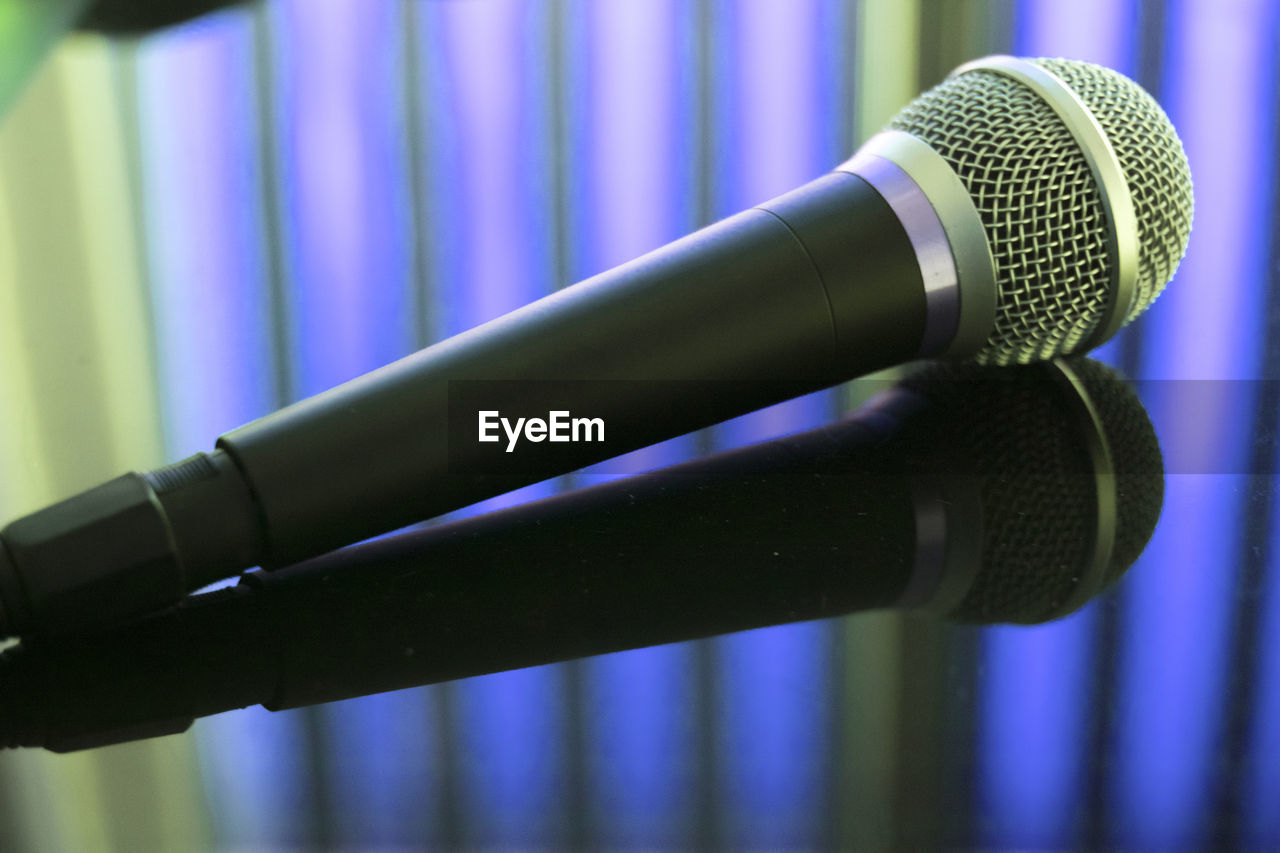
(928, 239)
(939, 215)
(1122, 222)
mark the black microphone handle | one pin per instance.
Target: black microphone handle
(818, 286)
(800, 528)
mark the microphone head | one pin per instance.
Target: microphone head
(1082, 187)
(1069, 473)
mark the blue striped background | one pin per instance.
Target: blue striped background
(324, 187)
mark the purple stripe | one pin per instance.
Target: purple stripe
(491, 221)
(1179, 597)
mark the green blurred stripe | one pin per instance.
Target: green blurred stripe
(888, 60)
(955, 31)
(116, 288)
(28, 29)
(923, 664)
(895, 668)
(885, 69)
(53, 321)
(79, 407)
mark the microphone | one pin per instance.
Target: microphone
(986, 494)
(1022, 209)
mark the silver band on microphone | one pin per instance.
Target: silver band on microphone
(947, 234)
(928, 239)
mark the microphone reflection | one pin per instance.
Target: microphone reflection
(983, 494)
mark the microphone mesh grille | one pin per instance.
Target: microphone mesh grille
(1153, 162)
(1039, 204)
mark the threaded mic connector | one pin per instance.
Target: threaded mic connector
(90, 560)
(127, 547)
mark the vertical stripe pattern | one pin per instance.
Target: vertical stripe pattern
(205, 224)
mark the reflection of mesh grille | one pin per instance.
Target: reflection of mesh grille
(1039, 528)
(1016, 434)
(1153, 162)
(1037, 488)
(1039, 204)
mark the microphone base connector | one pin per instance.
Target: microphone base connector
(88, 561)
(130, 546)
